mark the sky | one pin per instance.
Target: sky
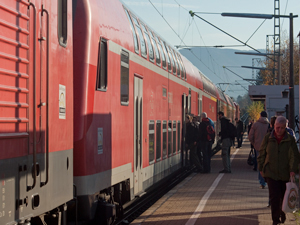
(172, 21)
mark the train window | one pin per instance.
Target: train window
(62, 22)
(124, 77)
(150, 47)
(174, 137)
(102, 66)
(164, 139)
(157, 56)
(178, 136)
(177, 64)
(142, 40)
(162, 55)
(164, 92)
(183, 74)
(158, 140)
(135, 39)
(151, 141)
(170, 144)
(173, 60)
(168, 57)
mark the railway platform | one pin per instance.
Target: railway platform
(216, 198)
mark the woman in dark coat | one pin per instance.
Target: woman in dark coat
(278, 161)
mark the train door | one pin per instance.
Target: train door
(138, 134)
(184, 113)
(199, 104)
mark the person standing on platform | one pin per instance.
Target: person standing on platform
(249, 128)
(256, 135)
(240, 132)
(206, 137)
(290, 130)
(191, 142)
(278, 161)
(226, 143)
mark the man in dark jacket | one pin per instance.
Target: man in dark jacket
(226, 143)
(240, 132)
(205, 146)
(191, 142)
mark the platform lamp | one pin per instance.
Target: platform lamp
(291, 79)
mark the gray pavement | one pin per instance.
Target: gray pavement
(213, 199)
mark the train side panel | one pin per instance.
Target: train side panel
(36, 111)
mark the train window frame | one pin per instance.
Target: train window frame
(177, 63)
(124, 73)
(164, 139)
(158, 154)
(163, 54)
(170, 138)
(178, 136)
(157, 53)
(183, 75)
(168, 57)
(151, 132)
(143, 45)
(102, 72)
(174, 69)
(62, 21)
(134, 33)
(164, 93)
(174, 133)
(149, 43)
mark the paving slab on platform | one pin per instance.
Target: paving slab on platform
(216, 199)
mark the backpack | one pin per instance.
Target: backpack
(232, 131)
(210, 133)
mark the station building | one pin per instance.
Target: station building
(275, 98)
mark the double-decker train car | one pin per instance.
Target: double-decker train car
(36, 110)
(93, 102)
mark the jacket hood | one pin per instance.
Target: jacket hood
(263, 120)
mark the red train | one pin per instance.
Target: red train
(92, 102)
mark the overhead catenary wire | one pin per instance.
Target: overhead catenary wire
(180, 37)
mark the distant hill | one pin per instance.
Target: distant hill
(212, 62)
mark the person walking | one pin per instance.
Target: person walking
(239, 132)
(226, 143)
(206, 141)
(256, 135)
(278, 162)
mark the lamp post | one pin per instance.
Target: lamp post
(291, 78)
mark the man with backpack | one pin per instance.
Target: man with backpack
(206, 138)
(225, 135)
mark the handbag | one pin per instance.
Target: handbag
(290, 196)
(251, 157)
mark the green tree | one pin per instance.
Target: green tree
(254, 110)
(243, 101)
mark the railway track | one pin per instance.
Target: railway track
(142, 203)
